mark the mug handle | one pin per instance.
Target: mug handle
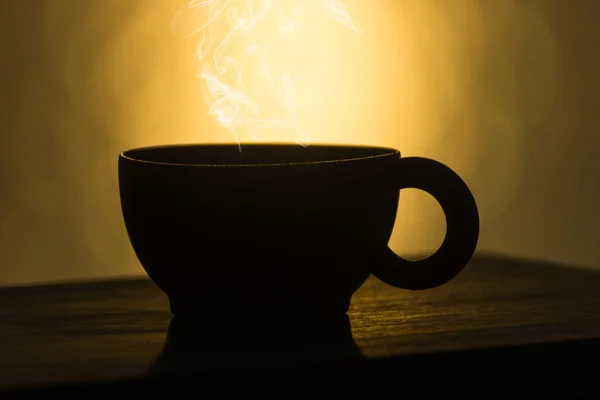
(462, 227)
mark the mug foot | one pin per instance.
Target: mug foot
(196, 346)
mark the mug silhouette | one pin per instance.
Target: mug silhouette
(280, 231)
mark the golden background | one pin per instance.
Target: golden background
(506, 92)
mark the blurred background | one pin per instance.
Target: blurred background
(506, 92)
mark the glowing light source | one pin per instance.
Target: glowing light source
(247, 88)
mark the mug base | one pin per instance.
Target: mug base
(284, 311)
(195, 345)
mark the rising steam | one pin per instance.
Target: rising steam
(246, 91)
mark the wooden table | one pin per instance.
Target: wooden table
(500, 321)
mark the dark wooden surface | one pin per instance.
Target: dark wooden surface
(115, 330)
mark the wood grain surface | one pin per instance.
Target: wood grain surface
(111, 330)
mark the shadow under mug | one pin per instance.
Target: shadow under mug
(282, 232)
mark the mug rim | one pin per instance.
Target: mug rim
(385, 152)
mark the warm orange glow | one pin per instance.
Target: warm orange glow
(498, 90)
(250, 54)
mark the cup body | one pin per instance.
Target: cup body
(272, 232)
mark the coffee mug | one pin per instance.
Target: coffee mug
(282, 232)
